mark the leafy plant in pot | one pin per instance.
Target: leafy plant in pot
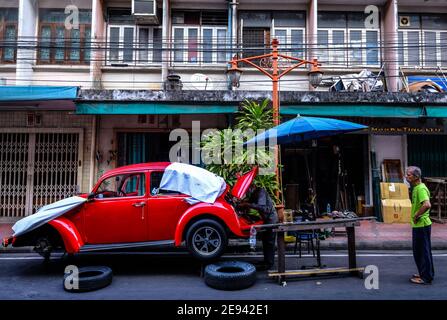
(252, 115)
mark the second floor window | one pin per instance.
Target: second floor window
(422, 40)
(343, 40)
(59, 45)
(8, 35)
(130, 44)
(259, 27)
(199, 37)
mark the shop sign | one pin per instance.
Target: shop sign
(406, 130)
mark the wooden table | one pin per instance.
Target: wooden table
(281, 228)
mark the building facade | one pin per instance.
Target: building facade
(122, 53)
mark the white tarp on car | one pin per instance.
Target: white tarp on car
(196, 182)
(45, 214)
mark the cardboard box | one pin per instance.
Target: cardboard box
(396, 210)
(393, 190)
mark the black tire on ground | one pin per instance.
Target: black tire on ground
(90, 278)
(230, 275)
(206, 239)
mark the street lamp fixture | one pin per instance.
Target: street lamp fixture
(234, 74)
(315, 74)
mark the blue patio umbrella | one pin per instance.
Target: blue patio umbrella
(306, 128)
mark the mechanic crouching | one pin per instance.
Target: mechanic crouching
(260, 200)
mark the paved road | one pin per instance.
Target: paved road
(177, 277)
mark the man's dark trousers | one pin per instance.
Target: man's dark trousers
(268, 242)
(422, 253)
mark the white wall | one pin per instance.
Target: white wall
(9, 77)
(389, 147)
(193, 79)
(62, 78)
(81, 4)
(255, 80)
(127, 79)
(9, 3)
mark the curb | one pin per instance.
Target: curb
(243, 246)
(16, 250)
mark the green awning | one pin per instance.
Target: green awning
(385, 111)
(151, 108)
(436, 111)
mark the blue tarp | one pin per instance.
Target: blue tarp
(435, 79)
(37, 93)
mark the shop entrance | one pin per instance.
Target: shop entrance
(38, 167)
(139, 147)
(330, 171)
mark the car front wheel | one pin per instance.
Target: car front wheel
(206, 239)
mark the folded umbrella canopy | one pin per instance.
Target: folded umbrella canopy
(306, 128)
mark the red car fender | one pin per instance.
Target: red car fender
(69, 234)
(219, 209)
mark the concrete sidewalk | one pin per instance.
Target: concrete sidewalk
(370, 235)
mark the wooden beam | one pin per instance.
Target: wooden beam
(314, 271)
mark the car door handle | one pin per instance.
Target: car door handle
(139, 204)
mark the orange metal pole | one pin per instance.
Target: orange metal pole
(275, 78)
(275, 103)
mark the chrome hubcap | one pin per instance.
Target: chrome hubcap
(206, 240)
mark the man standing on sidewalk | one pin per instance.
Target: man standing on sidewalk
(421, 223)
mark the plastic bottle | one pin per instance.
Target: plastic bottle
(328, 208)
(252, 238)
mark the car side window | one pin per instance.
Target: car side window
(134, 185)
(155, 185)
(123, 185)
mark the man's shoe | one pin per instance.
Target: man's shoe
(419, 281)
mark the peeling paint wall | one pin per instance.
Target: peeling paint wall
(295, 97)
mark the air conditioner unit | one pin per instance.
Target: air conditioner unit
(404, 21)
(145, 11)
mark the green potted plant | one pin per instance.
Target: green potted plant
(253, 115)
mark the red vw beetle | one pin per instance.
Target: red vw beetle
(126, 209)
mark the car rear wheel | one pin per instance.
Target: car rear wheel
(206, 239)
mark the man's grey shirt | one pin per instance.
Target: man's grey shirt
(262, 202)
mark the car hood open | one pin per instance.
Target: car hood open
(244, 182)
